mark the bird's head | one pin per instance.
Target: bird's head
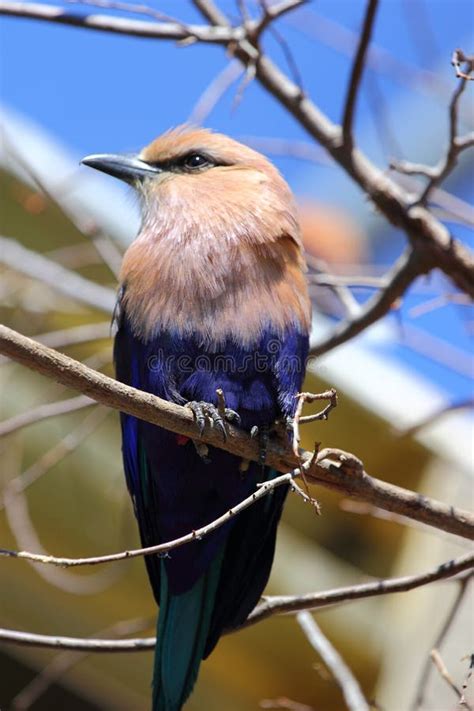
(205, 179)
(218, 250)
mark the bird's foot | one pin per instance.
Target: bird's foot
(205, 410)
(202, 450)
(263, 434)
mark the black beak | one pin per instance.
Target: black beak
(128, 168)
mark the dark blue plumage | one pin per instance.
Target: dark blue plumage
(259, 383)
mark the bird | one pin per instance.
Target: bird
(213, 297)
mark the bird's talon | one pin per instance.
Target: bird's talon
(254, 431)
(263, 444)
(205, 410)
(232, 416)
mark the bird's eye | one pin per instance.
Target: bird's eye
(195, 160)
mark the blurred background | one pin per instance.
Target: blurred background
(66, 93)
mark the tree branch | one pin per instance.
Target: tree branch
(341, 673)
(356, 73)
(161, 548)
(456, 144)
(272, 606)
(311, 601)
(440, 638)
(119, 25)
(73, 285)
(44, 412)
(333, 469)
(408, 267)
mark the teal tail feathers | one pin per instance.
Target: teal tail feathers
(182, 631)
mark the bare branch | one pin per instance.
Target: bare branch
(162, 548)
(302, 150)
(356, 73)
(340, 475)
(284, 604)
(214, 92)
(361, 509)
(343, 676)
(137, 9)
(64, 661)
(24, 532)
(458, 59)
(443, 633)
(284, 703)
(408, 267)
(82, 221)
(77, 334)
(341, 290)
(36, 266)
(466, 681)
(119, 25)
(464, 404)
(78, 644)
(273, 605)
(54, 455)
(304, 397)
(437, 302)
(437, 660)
(43, 412)
(456, 144)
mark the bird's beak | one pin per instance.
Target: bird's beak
(128, 168)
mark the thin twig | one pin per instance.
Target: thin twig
(440, 638)
(284, 703)
(214, 92)
(438, 662)
(341, 673)
(73, 285)
(464, 404)
(162, 548)
(82, 221)
(75, 335)
(465, 684)
(44, 412)
(61, 663)
(400, 277)
(356, 74)
(458, 59)
(273, 605)
(341, 290)
(361, 509)
(24, 532)
(285, 604)
(439, 301)
(54, 455)
(119, 25)
(137, 9)
(456, 144)
(303, 398)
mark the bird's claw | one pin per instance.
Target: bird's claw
(233, 417)
(203, 410)
(263, 434)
